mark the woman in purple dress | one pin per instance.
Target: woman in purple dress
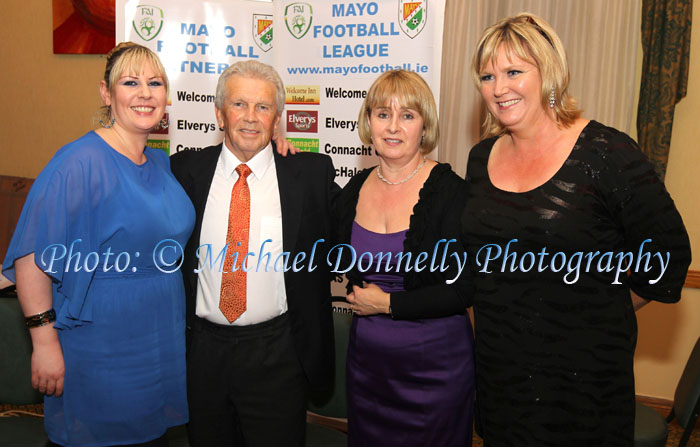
(410, 360)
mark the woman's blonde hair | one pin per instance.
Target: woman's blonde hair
(532, 39)
(411, 91)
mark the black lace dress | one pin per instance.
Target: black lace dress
(555, 337)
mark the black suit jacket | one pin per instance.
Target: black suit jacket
(307, 191)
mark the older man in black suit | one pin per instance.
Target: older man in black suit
(259, 325)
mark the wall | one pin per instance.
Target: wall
(667, 333)
(49, 100)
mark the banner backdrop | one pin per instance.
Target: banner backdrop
(327, 52)
(196, 41)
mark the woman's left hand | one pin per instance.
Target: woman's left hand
(284, 146)
(370, 300)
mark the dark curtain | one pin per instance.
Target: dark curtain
(666, 43)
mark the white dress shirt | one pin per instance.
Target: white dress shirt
(265, 292)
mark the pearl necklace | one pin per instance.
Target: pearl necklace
(381, 177)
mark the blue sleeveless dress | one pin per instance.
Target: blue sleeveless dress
(120, 316)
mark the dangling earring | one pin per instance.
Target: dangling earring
(551, 98)
(107, 126)
(421, 139)
(111, 123)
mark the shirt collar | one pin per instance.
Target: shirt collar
(258, 164)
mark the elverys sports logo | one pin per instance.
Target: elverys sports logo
(297, 17)
(148, 21)
(412, 16)
(302, 121)
(262, 31)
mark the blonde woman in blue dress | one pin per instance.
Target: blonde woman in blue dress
(94, 257)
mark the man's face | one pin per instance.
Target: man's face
(249, 116)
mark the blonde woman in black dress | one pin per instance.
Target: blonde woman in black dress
(555, 340)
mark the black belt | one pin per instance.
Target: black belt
(251, 330)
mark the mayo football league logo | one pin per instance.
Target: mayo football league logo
(262, 31)
(412, 16)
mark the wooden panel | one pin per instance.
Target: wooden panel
(663, 406)
(13, 193)
(340, 424)
(693, 279)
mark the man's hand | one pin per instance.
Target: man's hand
(284, 146)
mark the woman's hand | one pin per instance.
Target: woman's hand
(34, 293)
(47, 364)
(284, 146)
(370, 300)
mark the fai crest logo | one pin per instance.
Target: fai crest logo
(148, 21)
(412, 16)
(297, 17)
(262, 31)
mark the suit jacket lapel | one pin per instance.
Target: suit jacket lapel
(291, 199)
(202, 173)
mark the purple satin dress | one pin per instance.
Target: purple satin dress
(410, 382)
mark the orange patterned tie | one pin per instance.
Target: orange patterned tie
(232, 301)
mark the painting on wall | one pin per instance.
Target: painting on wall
(83, 26)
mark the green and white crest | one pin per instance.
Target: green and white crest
(412, 16)
(262, 31)
(297, 17)
(148, 21)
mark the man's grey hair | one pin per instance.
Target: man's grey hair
(255, 70)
